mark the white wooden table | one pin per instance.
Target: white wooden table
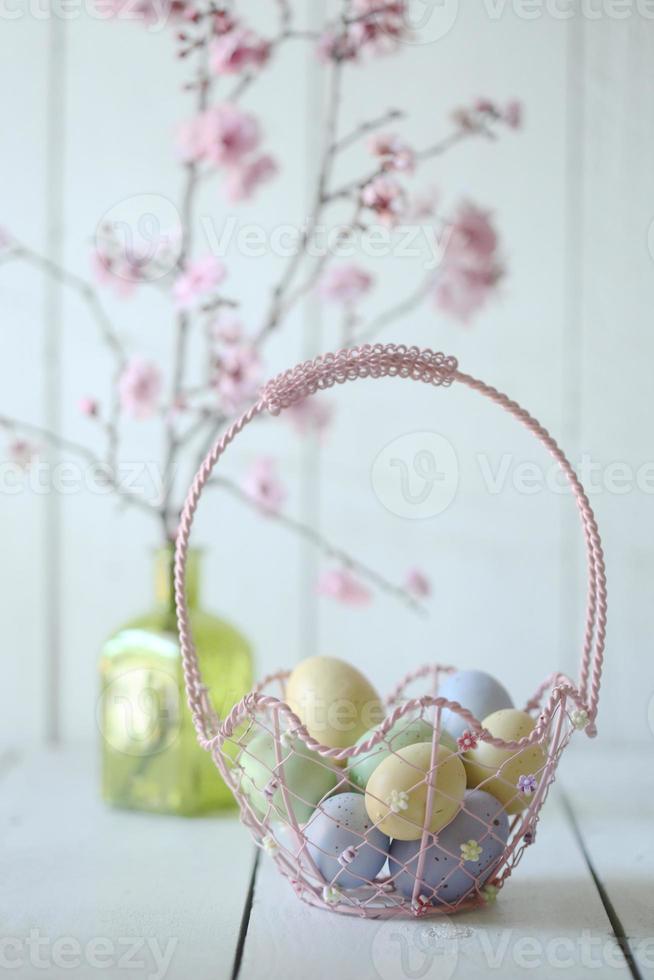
(86, 890)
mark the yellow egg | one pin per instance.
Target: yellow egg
(334, 700)
(498, 771)
(396, 794)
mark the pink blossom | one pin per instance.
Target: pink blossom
(239, 375)
(310, 415)
(345, 284)
(418, 584)
(139, 387)
(341, 584)
(385, 197)
(89, 407)
(244, 180)
(379, 25)
(486, 106)
(422, 206)
(199, 278)
(335, 45)
(223, 135)
(470, 270)
(120, 275)
(22, 453)
(262, 485)
(228, 327)
(396, 154)
(237, 50)
(513, 114)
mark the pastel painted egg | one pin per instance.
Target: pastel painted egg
(334, 700)
(475, 690)
(510, 775)
(305, 774)
(462, 859)
(346, 848)
(396, 794)
(402, 733)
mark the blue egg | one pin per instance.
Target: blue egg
(339, 825)
(447, 875)
(480, 693)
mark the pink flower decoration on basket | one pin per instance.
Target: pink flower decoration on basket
(468, 741)
(341, 585)
(139, 387)
(199, 278)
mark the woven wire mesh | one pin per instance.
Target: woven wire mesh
(436, 876)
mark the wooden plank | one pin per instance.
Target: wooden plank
(615, 826)
(168, 891)
(548, 920)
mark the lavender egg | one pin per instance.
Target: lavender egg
(345, 846)
(454, 866)
(475, 690)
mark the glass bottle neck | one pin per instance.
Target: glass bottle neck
(164, 590)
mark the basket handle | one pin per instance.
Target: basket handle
(377, 361)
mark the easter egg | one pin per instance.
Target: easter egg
(401, 734)
(396, 794)
(305, 774)
(462, 858)
(501, 771)
(346, 848)
(334, 700)
(475, 690)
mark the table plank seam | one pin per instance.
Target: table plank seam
(245, 919)
(609, 908)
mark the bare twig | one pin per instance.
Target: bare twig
(334, 553)
(373, 328)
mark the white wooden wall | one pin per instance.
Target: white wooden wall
(570, 338)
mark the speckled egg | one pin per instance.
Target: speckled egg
(334, 700)
(396, 794)
(402, 733)
(450, 874)
(499, 771)
(475, 690)
(343, 843)
(304, 773)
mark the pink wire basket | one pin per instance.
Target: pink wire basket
(354, 868)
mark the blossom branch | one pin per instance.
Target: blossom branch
(334, 553)
(108, 476)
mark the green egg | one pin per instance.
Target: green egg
(401, 735)
(306, 777)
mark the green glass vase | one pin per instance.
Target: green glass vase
(150, 757)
